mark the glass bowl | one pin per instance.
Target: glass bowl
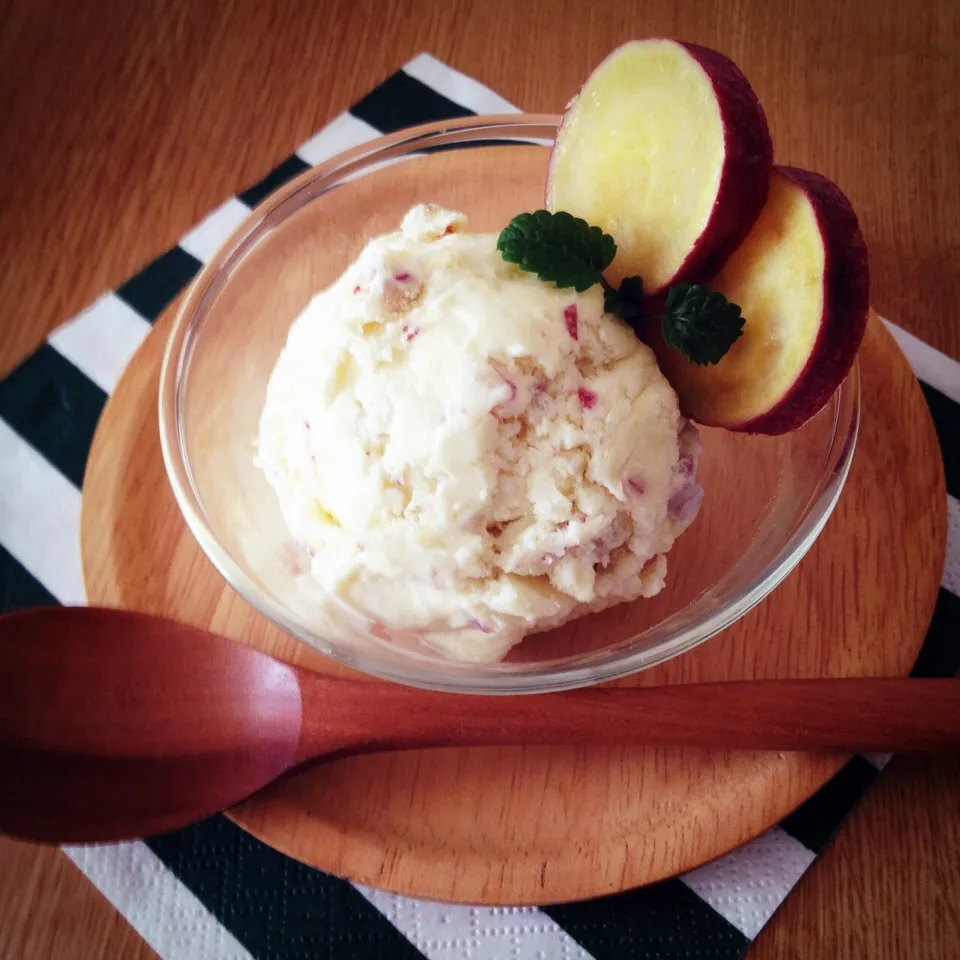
(767, 498)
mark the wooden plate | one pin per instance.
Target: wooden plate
(545, 825)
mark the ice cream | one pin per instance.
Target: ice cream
(469, 454)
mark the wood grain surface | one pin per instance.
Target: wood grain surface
(124, 123)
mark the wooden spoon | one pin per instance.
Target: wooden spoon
(116, 724)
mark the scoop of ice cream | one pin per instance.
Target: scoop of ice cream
(469, 453)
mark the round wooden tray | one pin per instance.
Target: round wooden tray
(546, 825)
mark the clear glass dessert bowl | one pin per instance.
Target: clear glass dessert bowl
(766, 498)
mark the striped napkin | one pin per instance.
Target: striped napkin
(211, 891)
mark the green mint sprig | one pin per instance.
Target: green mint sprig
(558, 247)
(701, 323)
(625, 301)
(565, 250)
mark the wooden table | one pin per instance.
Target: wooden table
(123, 123)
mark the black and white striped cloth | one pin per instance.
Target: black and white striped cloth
(211, 892)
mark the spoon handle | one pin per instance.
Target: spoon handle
(856, 714)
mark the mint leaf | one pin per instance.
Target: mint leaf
(701, 323)
(627, 302)
(558, 247)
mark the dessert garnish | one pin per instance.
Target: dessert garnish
(566, 251)
(666, 150)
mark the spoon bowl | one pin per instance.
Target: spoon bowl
(117, 724)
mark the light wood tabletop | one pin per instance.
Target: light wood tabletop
(124, 123)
